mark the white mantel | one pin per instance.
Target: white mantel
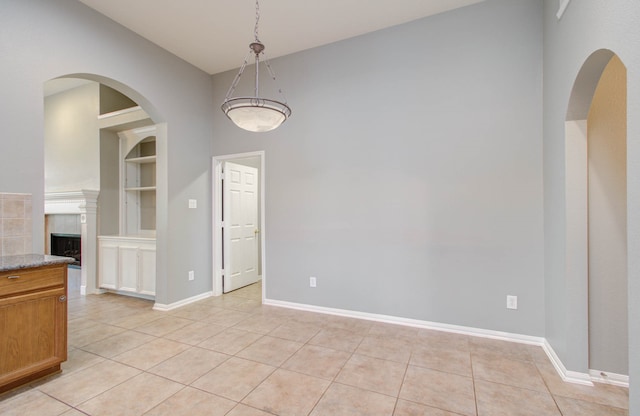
(75, 202)
(85, 204)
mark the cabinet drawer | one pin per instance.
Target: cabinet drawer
(24, 280)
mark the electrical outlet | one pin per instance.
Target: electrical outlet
(512, 302)
(193, 203)
(192, 275)
(312, 281)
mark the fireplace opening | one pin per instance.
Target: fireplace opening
(67, 245)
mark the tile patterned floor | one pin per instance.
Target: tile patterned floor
(233, 356)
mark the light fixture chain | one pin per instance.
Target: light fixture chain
(273, 76)
(255, 31)
(234, 84)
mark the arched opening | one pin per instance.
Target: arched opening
(105, 177)
(596, 201)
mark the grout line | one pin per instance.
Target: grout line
(546, 385)
(473, 381)
(404, 378)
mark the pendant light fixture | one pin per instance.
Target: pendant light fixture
(255, 113)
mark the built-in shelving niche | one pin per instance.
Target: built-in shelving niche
(138, 173)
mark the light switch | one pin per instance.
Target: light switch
(193, 203)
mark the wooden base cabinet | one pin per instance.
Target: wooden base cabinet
(33, 323)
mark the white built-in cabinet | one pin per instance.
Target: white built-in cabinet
(127, 262)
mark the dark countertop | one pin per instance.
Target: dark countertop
(31, 260)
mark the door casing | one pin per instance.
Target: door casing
(217, 162)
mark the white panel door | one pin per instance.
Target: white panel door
(240, 216)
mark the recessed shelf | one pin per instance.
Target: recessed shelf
(128, 118)
(141, 188)
(138, 181)
(141, 159)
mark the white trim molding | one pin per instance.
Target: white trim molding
(169, 307)
(606, 377)
(75, 202)
(464, 330)
(566, 375)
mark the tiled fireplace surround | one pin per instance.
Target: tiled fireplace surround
(82, 204)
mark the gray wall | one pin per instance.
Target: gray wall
(109, 199)
(409, 178)
(44, 39)
(587, 26)
(72, 140)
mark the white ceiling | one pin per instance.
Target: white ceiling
(214, 34)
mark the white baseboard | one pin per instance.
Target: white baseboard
(587, 379)
(465, 330)
(96, 291)
(606, 377)
(102, 291)
(566, 375)
(164, 307)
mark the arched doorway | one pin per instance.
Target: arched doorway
(91, 123)
(596, 233)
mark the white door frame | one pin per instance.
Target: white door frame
(217, 162)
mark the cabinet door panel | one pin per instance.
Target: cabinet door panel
(128, 269)
(33, 333)
(108, 266)
(148, 271)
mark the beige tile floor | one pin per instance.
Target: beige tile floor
(233, 356)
